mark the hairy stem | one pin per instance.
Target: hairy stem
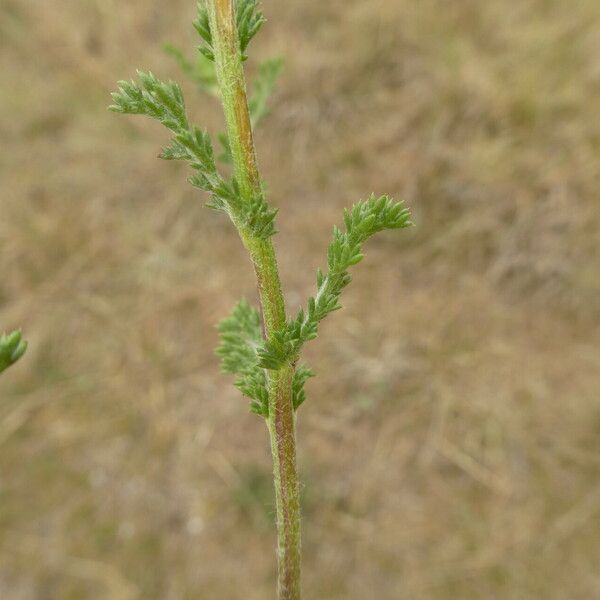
(281, 420)
(282, 429)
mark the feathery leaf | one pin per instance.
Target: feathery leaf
(362, 221)
(241, 335)
(249, 19)
(301, 374)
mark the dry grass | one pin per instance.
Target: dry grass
(450, 444)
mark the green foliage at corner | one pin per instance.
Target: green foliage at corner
(12, 347)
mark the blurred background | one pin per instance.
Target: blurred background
(450, 444)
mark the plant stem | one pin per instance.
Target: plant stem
(281, 420)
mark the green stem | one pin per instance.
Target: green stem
(281, 420)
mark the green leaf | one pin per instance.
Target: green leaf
(202, 23)
(241, 336)
(301, 374)
(362, 221)
(249, 19)
(260, 217)
(160, 100)
(164, 102)
(12, 348)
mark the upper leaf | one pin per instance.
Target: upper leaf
(202, 26)
(164, 102)
(249, 19)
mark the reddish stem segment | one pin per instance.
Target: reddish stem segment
(281, 420)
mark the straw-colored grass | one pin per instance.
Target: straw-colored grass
(455, 456)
